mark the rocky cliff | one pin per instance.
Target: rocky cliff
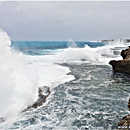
(122, 65)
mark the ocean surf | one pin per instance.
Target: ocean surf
(85, 93)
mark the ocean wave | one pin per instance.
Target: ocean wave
(21, 76)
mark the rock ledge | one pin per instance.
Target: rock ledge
(122, 65)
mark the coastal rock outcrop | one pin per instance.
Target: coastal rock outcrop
(125, 53)
(43, 93)
(122, 65)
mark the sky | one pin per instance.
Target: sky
(60, 21)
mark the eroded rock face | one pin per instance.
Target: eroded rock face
(125, 53)
(125, 121)
(122, 65)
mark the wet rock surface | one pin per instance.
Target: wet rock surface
(122, 65)
(43, 93)
(125, 53)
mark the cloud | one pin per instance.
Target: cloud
(62, 20)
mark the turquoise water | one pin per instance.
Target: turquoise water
(49, 47)
(95, 100)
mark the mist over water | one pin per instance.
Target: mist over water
(17, 81)
(85, 93)
(20, 78)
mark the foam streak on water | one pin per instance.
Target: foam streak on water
(21, 77)
(85, 94)
(91, 101)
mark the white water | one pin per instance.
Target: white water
(71, 44)
(94, 55)
(21, 75)
(20, 78)
(100, 54)
(17, 84)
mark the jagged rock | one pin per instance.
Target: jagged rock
(43, 93)
(122, 65)
(125, 121)
(125, 53)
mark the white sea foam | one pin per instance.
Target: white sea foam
(17, 84)
(101, 54)
(73, 54)
(21, 76)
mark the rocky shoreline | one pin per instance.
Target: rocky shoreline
(123, 66)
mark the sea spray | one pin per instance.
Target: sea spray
(117, 43)
(79, 104)
(95, 54)
(71, 44)
(98, 54)
(20, 77)
(86, 53)
(17, 84)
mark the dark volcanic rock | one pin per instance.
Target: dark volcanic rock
(43, 94)
(122, 65)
